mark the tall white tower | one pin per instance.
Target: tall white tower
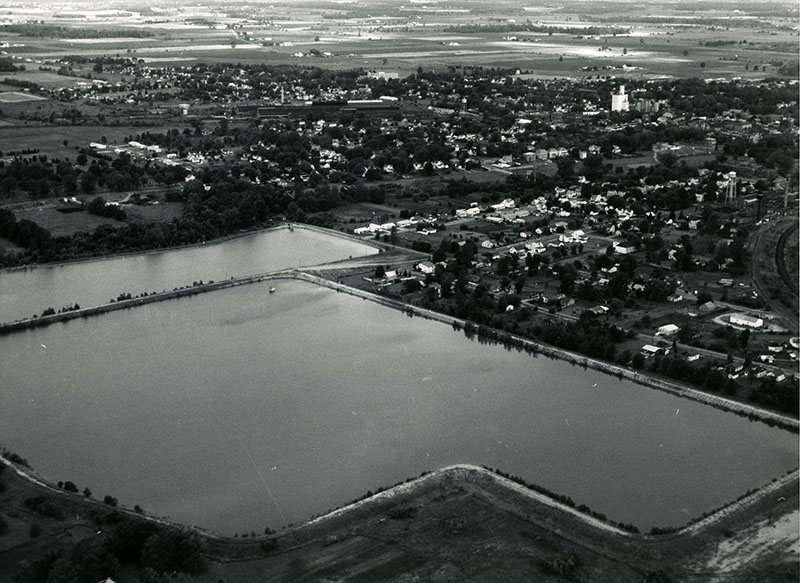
(619, 101)
(730, 189)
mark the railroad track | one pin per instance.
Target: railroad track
(780, 259)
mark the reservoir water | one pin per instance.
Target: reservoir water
(240, 409)
(24, 293)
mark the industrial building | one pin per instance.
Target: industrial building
(619, 100)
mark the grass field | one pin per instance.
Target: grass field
(18, 96)
(66, 224)
(46, 79)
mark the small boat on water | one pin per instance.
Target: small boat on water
(272, 290)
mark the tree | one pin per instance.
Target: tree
(88, 182)
(7, 186)
(565, 167)
(703, 297)
(128, 539)
(567, 275)
(744, 338)
(96, 206)
(174, 550)
(668, 159)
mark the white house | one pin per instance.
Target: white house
(667, 330)
(426, 267)
(535, 246)
(470, 212)
(745, 320)
(507, 203)
(624, 248)
(649, 350)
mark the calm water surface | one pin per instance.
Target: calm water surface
(91, 283)
(241, 409)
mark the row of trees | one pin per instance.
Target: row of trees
(228, 206)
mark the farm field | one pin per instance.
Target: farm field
(403, 40)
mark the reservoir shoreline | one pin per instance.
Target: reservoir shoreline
(742, 409)
(229, 549)
(236, 236)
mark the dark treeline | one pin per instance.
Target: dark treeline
(99, 207)
(588, 336)
(7, 65)
(34, 87)
(698, 98)
(55, 31)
